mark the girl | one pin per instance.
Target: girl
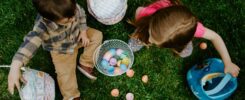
(168, 24)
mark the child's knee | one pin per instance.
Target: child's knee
(95, 35)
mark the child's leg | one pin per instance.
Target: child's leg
(65, 66)
(95, 37)
(86, 59)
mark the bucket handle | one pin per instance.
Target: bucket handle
(221, 85)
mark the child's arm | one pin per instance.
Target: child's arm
(83, 27)
(219, 44)
(84, 38)
(26, 51)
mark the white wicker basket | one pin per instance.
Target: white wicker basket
(39, 86)
(108, 12)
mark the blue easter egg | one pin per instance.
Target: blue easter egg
(110, 69)
(113, 51)
(123, 67)
(104, 63)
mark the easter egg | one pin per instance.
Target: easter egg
(107, 56)
(123, 67)
(113, 61)
(119, 63)
(119, 52)
(110, 70)
(115, 92)
(104, 63)
(117, 71)
(123, 56)
(130, 73)
(113, 52)
(203, 45)
(145, 78)
(125, 61)
(129, 96)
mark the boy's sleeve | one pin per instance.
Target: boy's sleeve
(32, 42)
(82, 18)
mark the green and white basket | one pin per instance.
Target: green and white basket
(105, 47)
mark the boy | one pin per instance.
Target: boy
(61, 29)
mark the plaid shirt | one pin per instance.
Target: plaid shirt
(52, 36)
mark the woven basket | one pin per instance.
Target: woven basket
(108, 12)
(105, 47)
(39, 86)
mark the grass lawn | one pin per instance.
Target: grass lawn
(167, 73)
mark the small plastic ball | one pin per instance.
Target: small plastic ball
(113, 52)
(129, 96)
(145, 78)
(125, 61)
(117, 71)
(130, 73)
(113, 61)
(104, 63)
(203, 45)
(119, 52)
(107, 56)
(123, 67)
(115, 92)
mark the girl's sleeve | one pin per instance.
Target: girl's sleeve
(152, 8)
(200, 30)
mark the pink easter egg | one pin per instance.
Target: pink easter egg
(115, 92)
(107, 56)
(119, 52)
(117, 71)
(113, 61)
(129, 96)
(130, 73)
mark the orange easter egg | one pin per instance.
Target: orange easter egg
(203, 45)
(130, 73)
(117, 71)
(145, 78)
(115, 92)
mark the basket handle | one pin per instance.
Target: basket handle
(8, 66)
(221, 85)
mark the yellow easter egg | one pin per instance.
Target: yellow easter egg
(119, 63)
(125, 61)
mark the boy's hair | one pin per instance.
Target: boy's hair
(171, 27)
(55, 9)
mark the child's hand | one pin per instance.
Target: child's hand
(84, 37)
(232, 68)
(14, 77)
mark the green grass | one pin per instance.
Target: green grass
(167, 73)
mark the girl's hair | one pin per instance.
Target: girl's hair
(170, 27)
(142, 25)
(55, 9)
